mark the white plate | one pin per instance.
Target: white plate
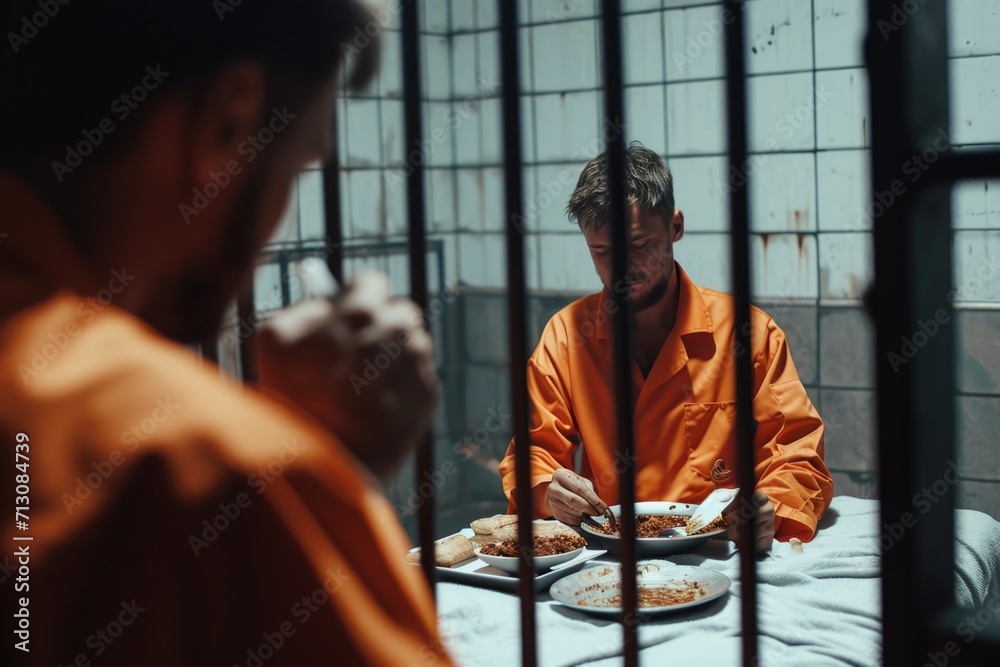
(648, 547)
(477, 573)
(510, 564)
(591, 590)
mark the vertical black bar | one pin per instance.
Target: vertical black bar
(908, 71)
(418, 250)
(244, 332)
(334, 244)
(893, 309)
(516, 297)
(285, 276)
(736, 132)
(614, 108)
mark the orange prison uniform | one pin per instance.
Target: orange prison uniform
(178, 517)
(684, 410)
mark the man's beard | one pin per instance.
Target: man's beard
(653, 297)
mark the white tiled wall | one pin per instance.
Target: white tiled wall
(809, 134)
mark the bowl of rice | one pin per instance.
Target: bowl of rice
(652, 519)
(548, 552)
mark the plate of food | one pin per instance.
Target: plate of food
(456, 557)
(652, 520)
(547, 552)
(663, 587)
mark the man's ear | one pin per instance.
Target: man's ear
(677, 225)
(229, 110)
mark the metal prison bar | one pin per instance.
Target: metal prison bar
(418, 252)
(517, 320)
(621, 336)
(739, 249)
(913, 273)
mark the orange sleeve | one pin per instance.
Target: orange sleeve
(222, 528)
(554, 434)
(790, 467)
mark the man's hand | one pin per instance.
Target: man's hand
(362, 364)
(570, 497)
(762, 516)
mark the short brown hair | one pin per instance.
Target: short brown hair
(648, 182)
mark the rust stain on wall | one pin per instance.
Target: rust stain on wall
(800, 218)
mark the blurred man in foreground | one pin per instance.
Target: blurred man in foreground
(683, 357)
(176, 517)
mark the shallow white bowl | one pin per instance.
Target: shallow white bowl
(510, 563)
(648, 547)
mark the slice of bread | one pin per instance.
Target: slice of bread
(492, 524)
(509, 532)
(553, 528)
(448, 552)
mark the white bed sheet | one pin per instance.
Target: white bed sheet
(818, 607)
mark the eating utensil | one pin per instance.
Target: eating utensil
(608, 514)
(612, 519)
(708, 511)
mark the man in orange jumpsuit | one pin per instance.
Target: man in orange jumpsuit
(684, 381)
(169, 515)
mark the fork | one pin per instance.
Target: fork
(608, 514)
